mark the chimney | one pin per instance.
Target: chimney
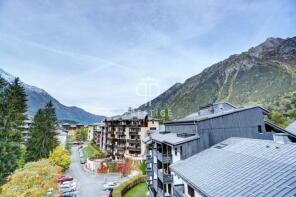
(281, 138)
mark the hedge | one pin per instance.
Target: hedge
(120, 190)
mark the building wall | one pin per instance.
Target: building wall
(90, 132)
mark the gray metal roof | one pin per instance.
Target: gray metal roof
(292, 128)
(242, 167)
(196, 117)
(278, 128)
(170, 138)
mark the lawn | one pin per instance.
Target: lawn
(140, 191)
(91, 150)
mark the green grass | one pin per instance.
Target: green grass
(91, 150)
(140, 191)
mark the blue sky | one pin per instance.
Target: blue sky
(102, 55)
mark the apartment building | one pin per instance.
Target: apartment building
(72, 128)
(25, 130)
(199, 131)
(238, 167)
(121, 136)
(99, 135)
(90, 131)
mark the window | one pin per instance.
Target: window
(176, 151)
(260, 129)
(180, 150)
(190, 191)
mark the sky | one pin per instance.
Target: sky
(107, 55)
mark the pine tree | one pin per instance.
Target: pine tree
(12, 115)
(13, 109)
(43, 135)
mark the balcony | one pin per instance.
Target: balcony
(164, 158)
(178, 190)
(148, 183)
(160, 192)
(134, 132)
(155, 184)
(149, 171)
(149, 159)
(133, 140)
(165, 178)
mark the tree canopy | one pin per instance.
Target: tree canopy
(43, 136)
(12, 116)
(61, 157)
(33, 180)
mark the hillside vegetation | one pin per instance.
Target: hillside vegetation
(264, 74)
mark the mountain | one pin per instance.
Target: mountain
(38, 98)
(259, 75)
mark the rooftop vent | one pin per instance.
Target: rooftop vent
(220, 146)
(164, 132)
(185, 135)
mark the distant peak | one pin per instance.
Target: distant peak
(271, 41)
(5, 75)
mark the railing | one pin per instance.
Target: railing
(149, 159)
(155, 185)
(165, 178)
(160, 192)
(149, 171)
(164, 158)
(178, 190)
(155, 168)
(133, 140)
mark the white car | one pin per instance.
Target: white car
(68, 185)
(110, 185)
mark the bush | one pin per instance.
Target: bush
(33, 180)
(143, 167)
(10, 159)
(120, 190)
(61, 157)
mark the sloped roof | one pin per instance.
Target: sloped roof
(278, 128)
(292, 128)
(242, 167)
(196, 117)
(169, 138)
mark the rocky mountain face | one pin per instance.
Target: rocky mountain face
(259, 75)
(38, 98)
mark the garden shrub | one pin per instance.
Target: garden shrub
(120, 190)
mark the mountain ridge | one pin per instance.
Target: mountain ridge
(37, 98)
(257, 75)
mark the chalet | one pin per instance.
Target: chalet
(199, 131)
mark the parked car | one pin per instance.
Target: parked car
(81, 155)
(68, 185)
(68, 194)
(63, 179)
(67, 189)
(110, 185)
(107, 193)
(82, 161)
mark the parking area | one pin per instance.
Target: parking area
(89, 184)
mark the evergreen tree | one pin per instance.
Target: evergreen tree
(13, 111)
(12, 116)
(166, 115)
(43, 135)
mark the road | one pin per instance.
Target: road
(89, 185)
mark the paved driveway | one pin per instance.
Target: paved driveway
(89, 185)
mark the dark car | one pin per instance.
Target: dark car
(107, 193)
(82, 161)
(63, 179)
